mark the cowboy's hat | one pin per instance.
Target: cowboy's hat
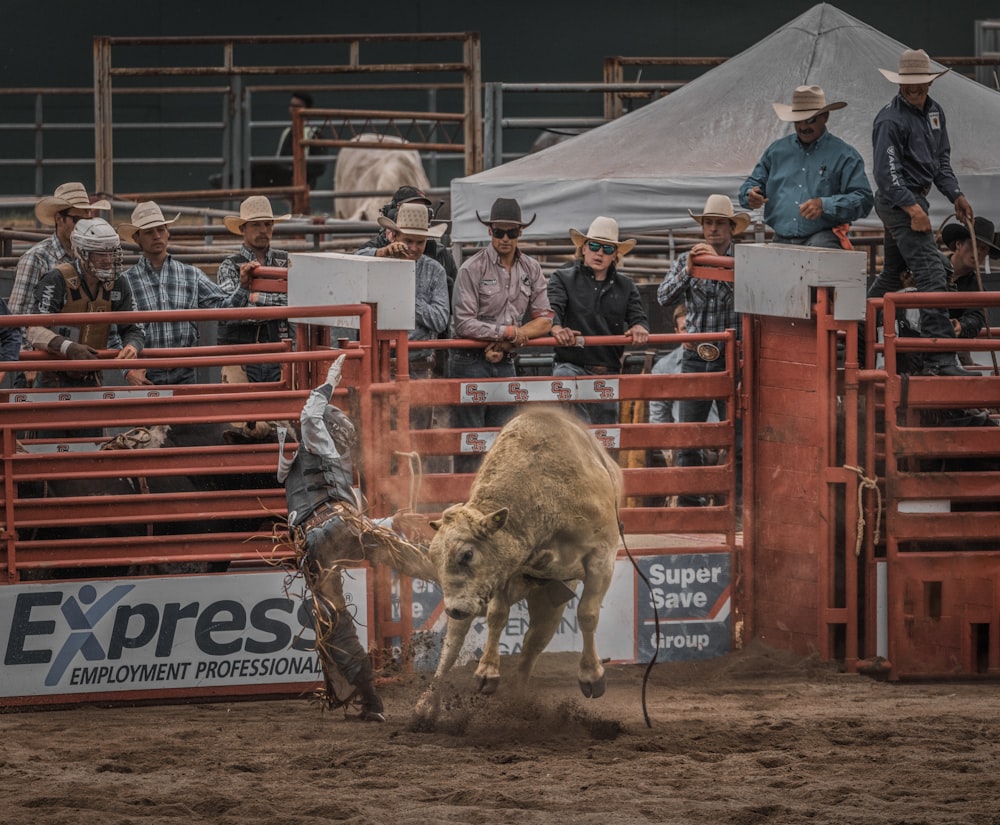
(413, 219)
(254, 208)
(719, 206)
(985, 233)
(603, 230)
(506, 210)
(807, 102)
(914, 67)
(71, 195)
(145, 216)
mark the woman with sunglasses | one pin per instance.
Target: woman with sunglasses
(591, 297)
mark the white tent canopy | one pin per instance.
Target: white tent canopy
(648, 168)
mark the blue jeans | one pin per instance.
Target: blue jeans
(604, 413)
(916, 251)
(468, 364)
(176, 375)
(824, 239)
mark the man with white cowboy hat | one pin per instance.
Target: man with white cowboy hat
(500, 298)
(911, 152)
(710, 308)
(408, 236)
(810, 183)
(591, 297)
(256, 224)
(68, 204)
(161, 282)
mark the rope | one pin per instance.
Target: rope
(416, 476)
(866, 483)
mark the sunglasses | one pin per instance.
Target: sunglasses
(72, 217)
(606, 248)
(812, 120)
(496, 232)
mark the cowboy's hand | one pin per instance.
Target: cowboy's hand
(128, 351)
(564, 336)
(397, 249)
(812, 209)
(919, 220)
(246, 273)
(137, 378)
(963, 209)
(333, 374)
(957, 326)
(494, 352)
(639, 335)
(700, 248)
(80, 352)
(755, 198)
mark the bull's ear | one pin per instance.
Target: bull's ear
(496, 520)
(435, 525)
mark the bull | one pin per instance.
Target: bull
(375, 170)
(542, 516)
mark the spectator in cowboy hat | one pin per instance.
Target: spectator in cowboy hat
(500, 299)
(590, 296)
(811, 184)
(68, 204)
(966, 262)
(437, 247)
(255, 224)
(161, 282)
(912, 152)
(710, 308)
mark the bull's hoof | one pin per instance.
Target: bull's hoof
(487, 685)
(595, 689)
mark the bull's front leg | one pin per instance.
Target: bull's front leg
(429, 704)
(487, 674)
(543, 621)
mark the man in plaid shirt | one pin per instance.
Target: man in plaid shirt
(159, 282)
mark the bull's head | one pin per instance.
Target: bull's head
(464, 553)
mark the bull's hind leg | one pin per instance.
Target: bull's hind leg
(591, 673)
(543, 621)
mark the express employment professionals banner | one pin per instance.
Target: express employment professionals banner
(153, 634)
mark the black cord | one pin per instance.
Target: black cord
(656, 617)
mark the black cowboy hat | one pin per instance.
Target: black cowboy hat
(985, 233)
(506, 210)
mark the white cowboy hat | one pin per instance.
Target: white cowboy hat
(254, 208)
(71, 195)
(807, 102)
(413, 219)
(145, 216)
(914, 67)
(603, 230)
(719, 206)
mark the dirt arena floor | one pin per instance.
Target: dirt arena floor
(755, 737)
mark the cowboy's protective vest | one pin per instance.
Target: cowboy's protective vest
(93, 335)
(314, 480)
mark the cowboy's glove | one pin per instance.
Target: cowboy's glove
(333, 374)
(80, 352)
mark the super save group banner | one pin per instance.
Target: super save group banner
(131, 635)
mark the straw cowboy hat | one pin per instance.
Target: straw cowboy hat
(603, 230)
(914, 67)
(807, 102)
(719, 206)
(985, 233)
(145, 216)
(71, 195)
(506, 210)
(413, 219)
(254, 208)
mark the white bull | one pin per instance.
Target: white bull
(369, 170)
(541, 517)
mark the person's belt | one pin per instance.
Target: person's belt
(705, 351)
(322, 514)
(597, 369)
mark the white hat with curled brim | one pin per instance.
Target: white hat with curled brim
(603, 230)
(914, 68)
(146, 215)
(413, 219)
(254, 208)
(807, 102)
(719, 206)
(72, 195)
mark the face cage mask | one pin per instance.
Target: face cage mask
(107, 276)
(341, 430)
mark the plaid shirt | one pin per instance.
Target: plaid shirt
(228, 277)
(177, 286)
(709, 303)
(41, 259)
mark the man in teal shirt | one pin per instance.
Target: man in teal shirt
(812, 182)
